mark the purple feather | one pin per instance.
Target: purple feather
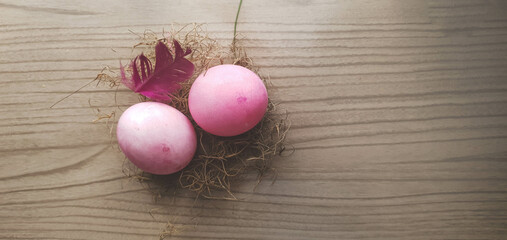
(159, 82)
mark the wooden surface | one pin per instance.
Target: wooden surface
(399, 111)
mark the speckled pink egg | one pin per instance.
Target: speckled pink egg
(228, 100)
(157, 138)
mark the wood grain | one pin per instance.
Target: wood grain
(399, 112)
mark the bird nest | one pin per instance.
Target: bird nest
(218, 161)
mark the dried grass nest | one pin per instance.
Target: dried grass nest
(218, 161)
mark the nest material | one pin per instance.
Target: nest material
(218, 161)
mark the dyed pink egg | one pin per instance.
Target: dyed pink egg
(228, 100)
(155, 137)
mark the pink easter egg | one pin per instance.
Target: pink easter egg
(157, 138)
(228, 100)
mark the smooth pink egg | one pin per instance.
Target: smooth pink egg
(228, 100)
(157, 138)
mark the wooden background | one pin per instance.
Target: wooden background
(399, 111)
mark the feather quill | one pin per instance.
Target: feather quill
(159, 82)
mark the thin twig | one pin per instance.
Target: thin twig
(236, 23)
(79, 89)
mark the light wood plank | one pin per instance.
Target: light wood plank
(398, 108)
